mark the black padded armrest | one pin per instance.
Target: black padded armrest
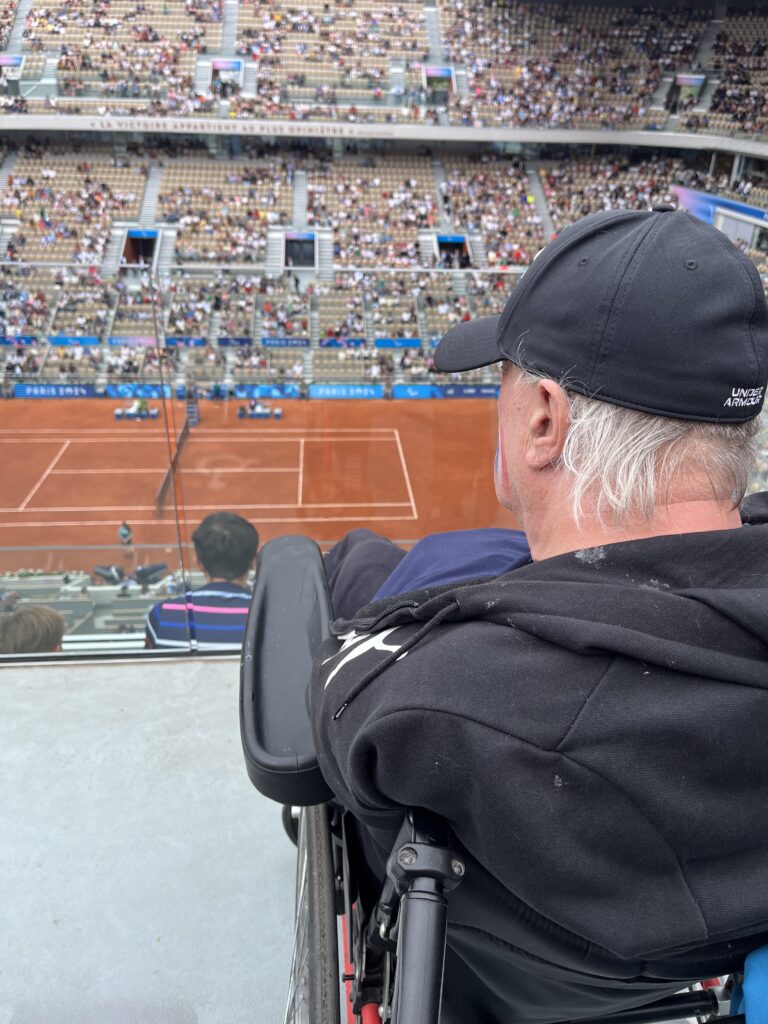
(289, 618)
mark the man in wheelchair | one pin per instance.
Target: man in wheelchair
(591, 724)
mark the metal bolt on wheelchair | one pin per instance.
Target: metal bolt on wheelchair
(347, 965)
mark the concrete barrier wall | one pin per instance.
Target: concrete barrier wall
(142, 878)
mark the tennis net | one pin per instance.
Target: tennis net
(166, 486)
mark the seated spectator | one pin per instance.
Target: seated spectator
(591, 724)
(212, 617)
(31, 629)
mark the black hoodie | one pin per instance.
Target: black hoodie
(594, 727)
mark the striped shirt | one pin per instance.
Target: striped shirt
(212, 618)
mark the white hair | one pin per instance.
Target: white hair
(625, 460)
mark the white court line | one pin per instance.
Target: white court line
(301, 470)
(405, 473)
(164, 469)
(81, 440)
(170, 523)
(200, 430)
(102, 472)
(43, 478)
(194, 439)
(208, 508)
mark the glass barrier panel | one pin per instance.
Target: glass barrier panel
(141, 407)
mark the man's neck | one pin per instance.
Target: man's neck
(241, 581)
(554, 534)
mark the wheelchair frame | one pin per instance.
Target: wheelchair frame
(345, 966)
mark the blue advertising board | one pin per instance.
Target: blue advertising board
(705, 206)
(342, 342)
(142, 233)
(470, 390)
(134, 340)
(266, 391)
(72, 339)
(285, 342)
(184, 342)
(346, 391)
(53, 391)
(137, 391)
(232, 342)
(18, 339)
(398, 343)
(417, 391)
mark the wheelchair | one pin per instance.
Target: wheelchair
(348, 965)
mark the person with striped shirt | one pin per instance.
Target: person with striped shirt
(212, 617)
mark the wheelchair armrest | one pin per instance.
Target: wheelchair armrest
(289, 617)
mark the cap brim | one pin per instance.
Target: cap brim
(468, 346)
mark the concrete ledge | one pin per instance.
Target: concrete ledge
(142, 878)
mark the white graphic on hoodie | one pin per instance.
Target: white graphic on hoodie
(356, 644)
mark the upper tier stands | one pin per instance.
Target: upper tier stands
(360, 61)
(562, 64)
(124, 48)
(344, 45)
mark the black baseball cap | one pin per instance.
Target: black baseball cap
(651, 310)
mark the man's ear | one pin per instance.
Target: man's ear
(547, 425)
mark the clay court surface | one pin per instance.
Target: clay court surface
(71, 473)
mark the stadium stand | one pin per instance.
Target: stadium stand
(739, 55)
(493, 197)
(375, 208)
(65, 207)
(511, 64)
(222, 211)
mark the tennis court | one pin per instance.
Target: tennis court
(72, 473)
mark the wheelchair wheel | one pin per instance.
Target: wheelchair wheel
(314, 996)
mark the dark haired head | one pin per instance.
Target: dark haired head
(225, 545)
(31, 628)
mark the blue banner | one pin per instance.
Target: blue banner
(179, 342)
(285, 342)
(134, 340)
(417, 391)
(53, 391)
(346, 391)
(470, 390)
(705, 206)
(142, 233)
(17, 339)
(445, 391)
(266, 391)
(398, 343)
(342, 342)
(72, 339)
(137, 390)
(232, 342)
